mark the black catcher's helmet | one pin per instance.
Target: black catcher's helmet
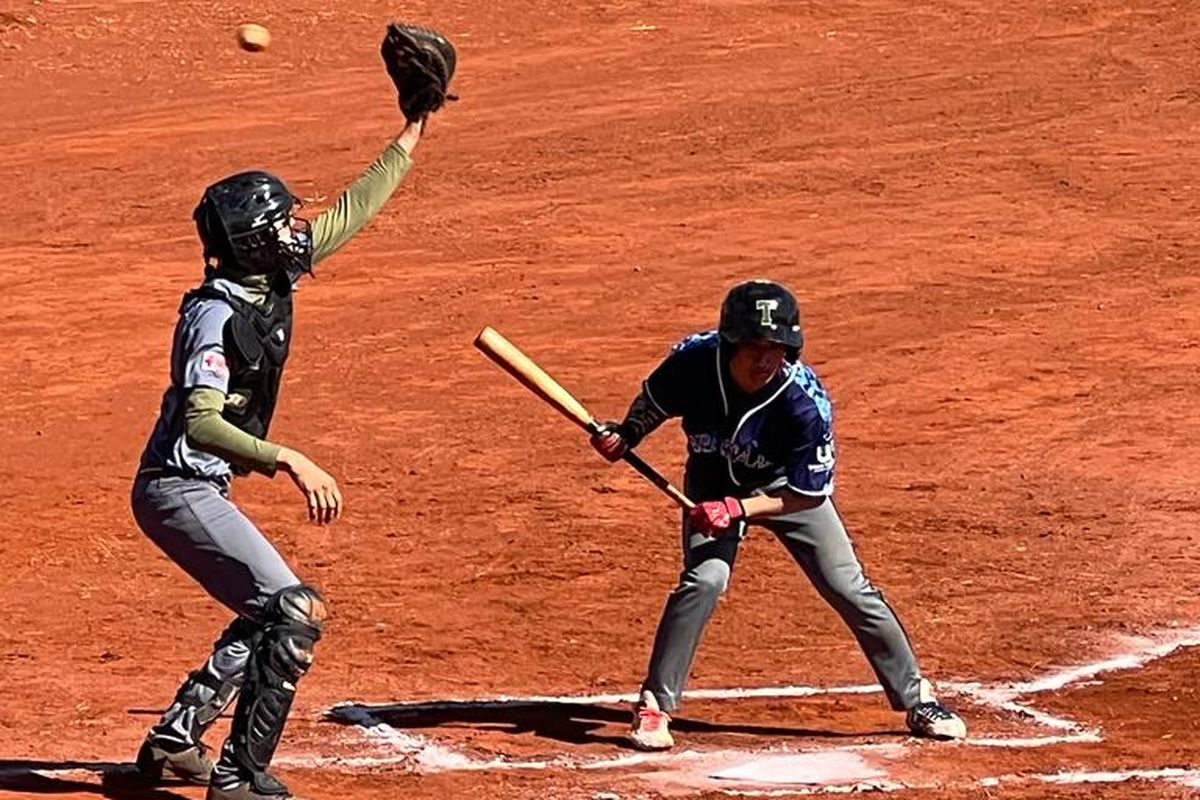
(245, 220)
(762, 311)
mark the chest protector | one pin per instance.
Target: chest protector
(257, 340)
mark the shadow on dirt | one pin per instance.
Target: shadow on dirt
(560, 721)
(118, 781)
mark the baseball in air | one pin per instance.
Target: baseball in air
(253, 37)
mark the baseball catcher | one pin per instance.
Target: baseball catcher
(421, 63)
(761, 451)
(230, 349)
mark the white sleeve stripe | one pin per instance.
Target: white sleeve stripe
(650, 397)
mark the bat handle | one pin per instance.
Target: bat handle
(648, 472)
(653, 475)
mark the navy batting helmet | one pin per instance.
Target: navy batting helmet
(245, 221)
(762, 311)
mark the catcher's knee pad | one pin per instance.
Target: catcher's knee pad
(294, 623)
(283, 652)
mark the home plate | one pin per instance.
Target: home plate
(802, 768)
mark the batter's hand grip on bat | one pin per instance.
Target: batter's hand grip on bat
(509, 358)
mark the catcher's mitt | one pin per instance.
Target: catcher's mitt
(421, 63)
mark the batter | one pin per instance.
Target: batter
(761, 451)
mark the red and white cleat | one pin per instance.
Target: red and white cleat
(651, 725)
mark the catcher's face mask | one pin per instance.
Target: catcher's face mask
(294, 234)
(293, 238)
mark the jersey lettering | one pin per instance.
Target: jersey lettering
(738, 452)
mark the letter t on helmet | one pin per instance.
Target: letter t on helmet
(762, 311)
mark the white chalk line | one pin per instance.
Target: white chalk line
(1146, 650)
(1182, 776)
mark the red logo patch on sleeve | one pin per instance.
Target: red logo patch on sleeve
(214, 364)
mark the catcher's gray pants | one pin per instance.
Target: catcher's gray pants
(817, 540)
(194, 522)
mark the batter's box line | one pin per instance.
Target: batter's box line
(418, 752)
(1180, 776)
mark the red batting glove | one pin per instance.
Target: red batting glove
(714, 517)
(609, 442)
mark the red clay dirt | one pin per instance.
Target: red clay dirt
(989, 217)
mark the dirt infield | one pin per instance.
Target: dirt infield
(989, 217)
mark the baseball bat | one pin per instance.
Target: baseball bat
(509, 358)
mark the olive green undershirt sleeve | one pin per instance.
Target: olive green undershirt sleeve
(207, 430)
(337, 224)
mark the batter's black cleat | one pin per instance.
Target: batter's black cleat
(161, 761)
(255, 786)
(931, 719)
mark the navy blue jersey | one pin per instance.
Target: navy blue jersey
(780, 436)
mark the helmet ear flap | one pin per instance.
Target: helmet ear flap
(213, 236)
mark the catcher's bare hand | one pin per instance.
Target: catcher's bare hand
(318, 486)
(411, 136)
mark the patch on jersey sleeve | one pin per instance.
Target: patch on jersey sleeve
(214, 364)
(824, 458)
(694, 340)
(807, 380)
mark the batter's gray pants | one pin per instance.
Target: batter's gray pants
(817, 540)
(194, 522)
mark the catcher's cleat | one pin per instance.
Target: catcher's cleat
(159, 761)
(252, 786)
(650, 730)
(931, 719)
